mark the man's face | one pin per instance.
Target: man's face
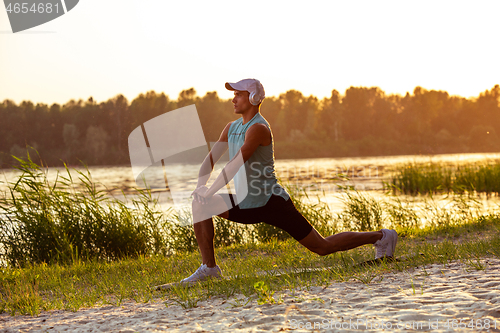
(241, 102)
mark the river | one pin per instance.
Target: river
(319, 176)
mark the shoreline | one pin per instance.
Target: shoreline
(424, 296)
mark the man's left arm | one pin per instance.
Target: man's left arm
(256, 135)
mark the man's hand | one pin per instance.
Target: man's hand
(201, 194)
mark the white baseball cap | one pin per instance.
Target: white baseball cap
(253, 86)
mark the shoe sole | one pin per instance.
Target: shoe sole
(185, 283)
(205, 278)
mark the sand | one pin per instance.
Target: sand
(440, 298)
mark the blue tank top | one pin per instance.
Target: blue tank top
(259, 177)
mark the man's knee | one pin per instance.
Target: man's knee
(196, 206)
(322, 251)
(206, 211)
(319, 249)
(200, 210)
(314, 242)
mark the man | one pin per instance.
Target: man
(259, 197)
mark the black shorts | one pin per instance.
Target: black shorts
(278, 212)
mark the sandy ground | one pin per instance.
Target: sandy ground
(451, 298)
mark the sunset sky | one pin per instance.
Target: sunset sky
(105, 48)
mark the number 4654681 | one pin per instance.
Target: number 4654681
(35, 8)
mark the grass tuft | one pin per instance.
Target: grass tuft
(432, 178)
(70, 220)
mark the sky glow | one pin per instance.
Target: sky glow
(105, 48)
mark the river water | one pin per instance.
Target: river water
(319, 177)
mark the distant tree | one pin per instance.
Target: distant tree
(362, 121)
(311, 110)
(146, 107)
(96, 144)
(214, 114)
(488, 107)
(297, 114)
(270, 108)
(330, 118)
(71, 138)
(359, 112)
(483, 138)
(10, 132)
(115, 122)
(54, 128)
(186, 97)
(384, 122)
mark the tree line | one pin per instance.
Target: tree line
(361, 122)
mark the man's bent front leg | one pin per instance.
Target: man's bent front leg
(204, 232)
(204, 226)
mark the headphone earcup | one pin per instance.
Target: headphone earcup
(254, 98)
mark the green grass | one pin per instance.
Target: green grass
(97, 271)
(42, 287)
(361, 212)
(71, 219)
(434, 178)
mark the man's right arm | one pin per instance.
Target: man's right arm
(213, 156)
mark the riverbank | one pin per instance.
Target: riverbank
(436, 297)
(451, 273)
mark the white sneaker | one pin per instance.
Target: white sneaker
(386, 246)
(203, 273)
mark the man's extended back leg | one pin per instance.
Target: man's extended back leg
(338, 242)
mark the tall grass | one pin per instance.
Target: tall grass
(361, 213)
(430, 178)
(70, 219)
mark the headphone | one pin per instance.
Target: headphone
(254, 96)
